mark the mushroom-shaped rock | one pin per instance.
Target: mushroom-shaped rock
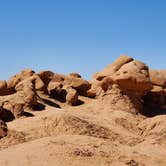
(3, 129)
(82, 86)
(133, 76)
(114, 67)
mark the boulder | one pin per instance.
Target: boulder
(54, 87)
(91, 93)
(107, 83)
(28, 92)
(55, 90)
(95, 90)
(39, 84)
(72, 96)
(82, 86)
(79, 84)
(60, 78)
(46, 76)
(3, 129)
(14, 105)
(158, 77)
(13, 81)
(113, 68)
(75, 75)
(36, 80)
(133, 76)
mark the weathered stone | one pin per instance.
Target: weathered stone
(158, 77)
(133, 76)
(13, 81)
(72, 96)
(75, 75)
(113, 68)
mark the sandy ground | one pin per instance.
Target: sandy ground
(91, 134)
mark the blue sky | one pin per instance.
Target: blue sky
(80, 35)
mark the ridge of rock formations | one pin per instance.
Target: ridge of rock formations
(121, 107)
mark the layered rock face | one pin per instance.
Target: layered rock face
(126, 84)
(132, 79)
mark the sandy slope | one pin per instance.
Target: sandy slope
(90, 134)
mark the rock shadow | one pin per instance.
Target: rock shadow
(6, 115)
(50, 103)
(28, 114)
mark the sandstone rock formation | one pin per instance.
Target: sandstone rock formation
(13, 81)
(117, 118)
(158, 77)
(128, 73)
(126, 84)
(114, 67)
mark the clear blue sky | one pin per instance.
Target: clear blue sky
(80, 35)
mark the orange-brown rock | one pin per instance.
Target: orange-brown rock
(27, 89)
(46, 76)
(96, 89)
(91, 93)
(72, 96)
(113, 68)
(55, 90)
(158, 77)
(75, 75)
(36, 80)
(3, 85)
(16, 104)
(157, 89)
(107, 83)
(54, 87)
(80, 85)
(60, 78)
(133, 76)
(13, 81)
